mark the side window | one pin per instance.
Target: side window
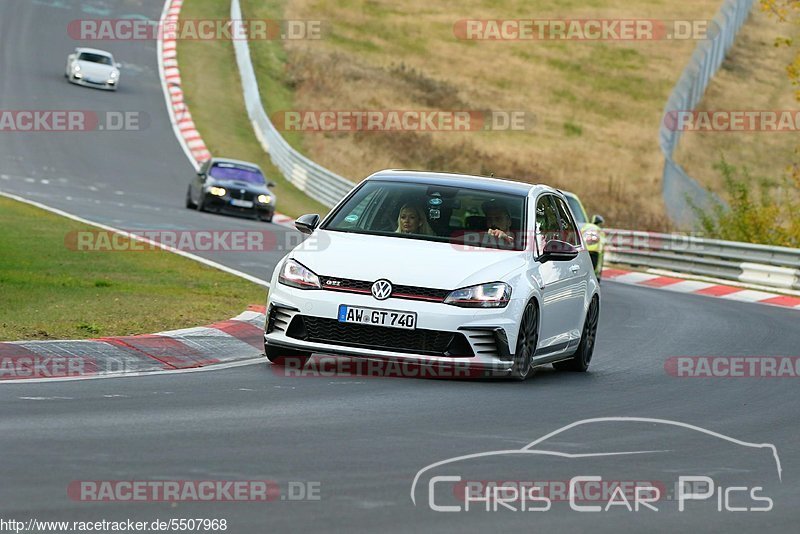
(547, 224)
(567, 228)
(356, 217)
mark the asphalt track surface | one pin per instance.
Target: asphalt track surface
(363, 439)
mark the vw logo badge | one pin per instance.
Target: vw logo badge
(382, 289)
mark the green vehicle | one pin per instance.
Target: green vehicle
(593, 235)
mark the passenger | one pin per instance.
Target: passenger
(498, 221)
(411, 220)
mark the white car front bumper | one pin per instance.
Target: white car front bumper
(306, 320)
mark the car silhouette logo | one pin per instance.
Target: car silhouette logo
(381, 289)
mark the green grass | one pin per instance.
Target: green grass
(213, 91)
(49, 291)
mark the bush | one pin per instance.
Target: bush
(758, 211)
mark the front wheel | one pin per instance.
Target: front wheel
(189, 204)
(527, 340)
(583, 356)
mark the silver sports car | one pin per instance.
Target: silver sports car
(93, 68)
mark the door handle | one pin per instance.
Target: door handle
(575, 268)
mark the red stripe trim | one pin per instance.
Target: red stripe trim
(718, 291)
(242, 331)
(782, 300)
(661, 281)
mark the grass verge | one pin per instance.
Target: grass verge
(48, 291)
(213, 91)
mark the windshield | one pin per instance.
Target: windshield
(239, 173)
(96, 58)
(434, 213)
(577, 210)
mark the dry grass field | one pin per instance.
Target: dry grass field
(752, 78)
(598, 104)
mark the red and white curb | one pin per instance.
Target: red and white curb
(695, 287)
(183, 125)
(181, 118)
(234, 341)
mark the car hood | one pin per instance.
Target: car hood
(89, 68)
(233, 184)
(404, 261)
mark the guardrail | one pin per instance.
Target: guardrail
(319, 183)
(729, 260)
(756, 264)
(707, 58)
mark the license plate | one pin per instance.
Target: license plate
(373, 316)
(241, 203)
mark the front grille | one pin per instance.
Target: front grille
(237, 194)
(428, 342)
(277, 319)
(400, 292)
(483, 341)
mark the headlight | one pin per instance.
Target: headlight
(264, 199)
(591, 237)
(296, 275)
(76, 67)
(492, 295)
(114, 74)
(217, 191)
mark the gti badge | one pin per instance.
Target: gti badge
(381, 289)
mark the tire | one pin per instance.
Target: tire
(527, 340)
(189, 204)
(280, 356)
(580, 361)
(201, 204)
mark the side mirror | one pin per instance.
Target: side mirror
(307, 223)
(271, 184)
(555, 250)
(598, 220)
(118, 65)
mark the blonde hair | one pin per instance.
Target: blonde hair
(424, 227)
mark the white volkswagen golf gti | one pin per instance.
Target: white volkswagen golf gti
(439, 269)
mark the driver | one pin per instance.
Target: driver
(411, 220)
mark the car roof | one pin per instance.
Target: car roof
(495, 185)
(94, 51)
(235, 162)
